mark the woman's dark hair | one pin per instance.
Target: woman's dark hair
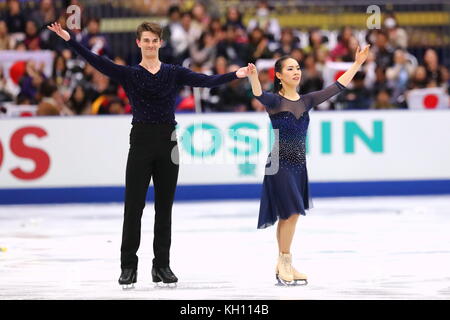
(278, 68)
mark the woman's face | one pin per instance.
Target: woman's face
(30, 28)
(3, 27)
(60, 63)
(233, 14)
(290, 73)
(221, 65)
(420, 74)
(430, 57)
(79, 94)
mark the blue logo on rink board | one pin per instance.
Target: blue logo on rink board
(254, 144)
(187, 140)
(352, 132)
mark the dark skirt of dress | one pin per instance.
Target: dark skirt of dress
(283, 194)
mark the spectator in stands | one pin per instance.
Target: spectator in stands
(45, 14)
(382, 50)
(32, 38)
(169, 33)
(257, 47)
(419, 79)
(341, 49)
(269, 26)
(369, 68)
(316, 42)
(20, 46)
(356, 97)
(435, 73)
(311, 79)
(180, 38)
(6, 41)
(62, 76)
(174, 16)
(287, 42)
(231, 49)
(299, 55)
(398, 76)
(5, 94)
(47, 109)
(23, 99)
(216, 30)
(234, 19)
(94, 39)
(382, 100)
(32, 80)
(200, 21)
(211, 101)
(398, 38)
(352, 45)
(15, 19)
(79, 102)
(204, 50)
(104, 89)
(380, 79)
(50, 96)
(116, 106)
(234, 95)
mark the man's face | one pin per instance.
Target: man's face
(149, 43)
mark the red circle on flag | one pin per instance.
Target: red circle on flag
(430, 101)
(17, 70)
(26, 114)
(338, 74)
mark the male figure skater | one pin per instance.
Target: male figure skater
(151, 87)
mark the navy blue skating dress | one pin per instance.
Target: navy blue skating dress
(285, 189)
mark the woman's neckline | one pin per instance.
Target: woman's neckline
(290, 99)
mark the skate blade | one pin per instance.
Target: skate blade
(128, 286)
(283, 283)
(163, 285)
(302, 282)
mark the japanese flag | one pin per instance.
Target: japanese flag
(428, 98)
(333, 70)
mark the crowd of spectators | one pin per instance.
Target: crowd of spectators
(212, 45)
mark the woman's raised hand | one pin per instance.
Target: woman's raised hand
(56, 28)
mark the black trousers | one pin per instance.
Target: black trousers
(152, 154)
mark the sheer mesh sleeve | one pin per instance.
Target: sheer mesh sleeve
(315, 98)
(269, 100)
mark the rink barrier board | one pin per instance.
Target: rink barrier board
(223, 192)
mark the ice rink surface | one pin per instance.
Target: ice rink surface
(350, 248)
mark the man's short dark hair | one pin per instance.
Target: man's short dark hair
(149, 26)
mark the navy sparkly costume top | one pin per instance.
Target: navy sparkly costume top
(291, 118)
(285, 189)
(152, 96)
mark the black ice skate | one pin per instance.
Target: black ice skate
(128, 278)
(165, 275)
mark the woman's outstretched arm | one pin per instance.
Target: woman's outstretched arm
(254, 80)
(360, 57)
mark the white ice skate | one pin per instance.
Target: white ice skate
(285, 274)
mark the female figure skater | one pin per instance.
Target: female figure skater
(286, 194)
(151, 87)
